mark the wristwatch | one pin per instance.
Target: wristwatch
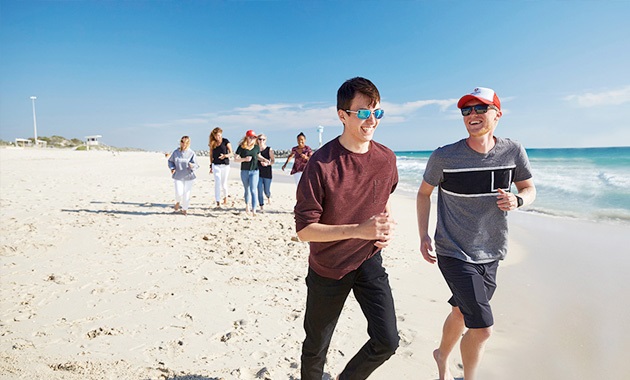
(519, 201)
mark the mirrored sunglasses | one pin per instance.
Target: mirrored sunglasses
(480, 109)
(365, 114)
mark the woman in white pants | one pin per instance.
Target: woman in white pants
(220, 154)
(183, 164)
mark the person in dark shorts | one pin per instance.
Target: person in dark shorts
(474, 177)
(343, 211)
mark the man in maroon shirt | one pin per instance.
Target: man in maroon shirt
(343, 211)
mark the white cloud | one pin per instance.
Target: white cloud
(612, 97)
(292, 116)
(410, 107)
(281, 116)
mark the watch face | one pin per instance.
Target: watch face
(519, 201)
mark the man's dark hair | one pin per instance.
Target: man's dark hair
(351, 87)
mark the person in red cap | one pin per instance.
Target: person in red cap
(248, 154)
(474, 177)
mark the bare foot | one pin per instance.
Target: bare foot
(224, 201)
(184, 212)
(442, 363)
(218, 205)
(176, 206)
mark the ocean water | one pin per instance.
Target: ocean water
(585, 183)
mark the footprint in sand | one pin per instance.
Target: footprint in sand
(227, 336)
(185, 317)
(295, 314)
(60, 279)
(263, 373)
(103, 331)
(406, 337)
(146, 295)
(259, 355)
(21, 344)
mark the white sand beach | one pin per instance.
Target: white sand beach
(100, 279)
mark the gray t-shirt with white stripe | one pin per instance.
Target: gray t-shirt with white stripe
(470, 226)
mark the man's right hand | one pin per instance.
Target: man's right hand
(379, 227)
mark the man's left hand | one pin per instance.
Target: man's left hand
(506, 201)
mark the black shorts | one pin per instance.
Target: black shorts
(472, 286)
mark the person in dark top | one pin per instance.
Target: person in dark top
(264, 171)
(302, 154)
(343, 211)
(220, 154)
(248, 154)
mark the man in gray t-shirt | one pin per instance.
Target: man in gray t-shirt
(474, 177)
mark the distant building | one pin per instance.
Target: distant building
(27, 142)
(92, 140)
(23, 142)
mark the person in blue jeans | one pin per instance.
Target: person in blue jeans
(264, 170)
(248, 154)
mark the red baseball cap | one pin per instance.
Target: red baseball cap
(250, 133)
(484, 95)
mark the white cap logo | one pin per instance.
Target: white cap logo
(484, 93)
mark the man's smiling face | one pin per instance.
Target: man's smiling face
(481, 124)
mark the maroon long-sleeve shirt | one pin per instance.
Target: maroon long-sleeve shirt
(342, 187)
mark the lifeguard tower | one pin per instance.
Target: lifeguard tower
(92, 141)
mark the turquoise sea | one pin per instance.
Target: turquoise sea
(585, 183)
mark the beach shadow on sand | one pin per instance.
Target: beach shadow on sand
(199, 377)
(166, 209)
(122, 212)
(163, 209)
(190, 377)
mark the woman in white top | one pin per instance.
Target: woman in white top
(183, 164)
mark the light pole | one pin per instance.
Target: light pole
(34, 119)
(320, 129)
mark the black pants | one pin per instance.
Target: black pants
(323, 306)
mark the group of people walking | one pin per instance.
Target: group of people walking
(343, 210)
(255, 157)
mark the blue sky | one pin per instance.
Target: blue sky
(144, 73)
